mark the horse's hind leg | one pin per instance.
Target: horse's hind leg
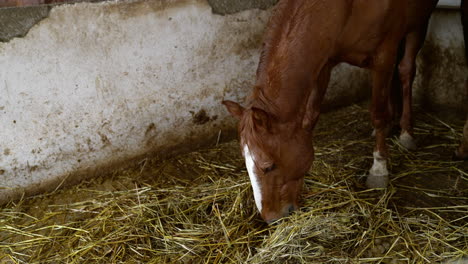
(396, 97)
(407, 72)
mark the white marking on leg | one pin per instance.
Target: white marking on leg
(407, 141)
(379, 168)
(250, 164)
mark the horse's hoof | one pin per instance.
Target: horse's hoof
(378, 173)
(373, 181)
(407, 141)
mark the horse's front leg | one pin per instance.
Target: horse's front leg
(382, 73)
(317, 92)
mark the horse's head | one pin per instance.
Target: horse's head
(277, 156)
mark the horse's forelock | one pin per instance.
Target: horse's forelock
(250, 134)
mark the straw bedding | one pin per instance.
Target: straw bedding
(199, 208)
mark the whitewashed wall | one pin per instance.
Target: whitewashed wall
(442, 68)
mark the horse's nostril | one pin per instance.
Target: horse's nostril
(276, 218)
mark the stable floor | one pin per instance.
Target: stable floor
(199, 208)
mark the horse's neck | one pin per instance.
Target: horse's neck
(286, 99)
(292, 58)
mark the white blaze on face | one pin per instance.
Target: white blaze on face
(250, 164)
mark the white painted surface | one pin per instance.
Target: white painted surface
(250, 164)
(99, 83)
(442, 70)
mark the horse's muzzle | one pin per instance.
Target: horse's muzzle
(287, 210)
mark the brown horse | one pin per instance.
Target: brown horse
(305, 39)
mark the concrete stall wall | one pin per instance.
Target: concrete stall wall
(442, 71)
(88, 86)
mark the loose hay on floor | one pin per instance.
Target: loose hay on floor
(199, 208)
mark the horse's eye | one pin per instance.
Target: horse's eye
(269, 169)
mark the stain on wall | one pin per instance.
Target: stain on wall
(442, 88)
(16, 22)
(201, 117)
(225, 7)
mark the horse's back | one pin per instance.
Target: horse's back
(369, 24)
(300, 36)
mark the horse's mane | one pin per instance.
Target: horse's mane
(286, 12)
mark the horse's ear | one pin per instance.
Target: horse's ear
(234, 108)
(261, 118)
